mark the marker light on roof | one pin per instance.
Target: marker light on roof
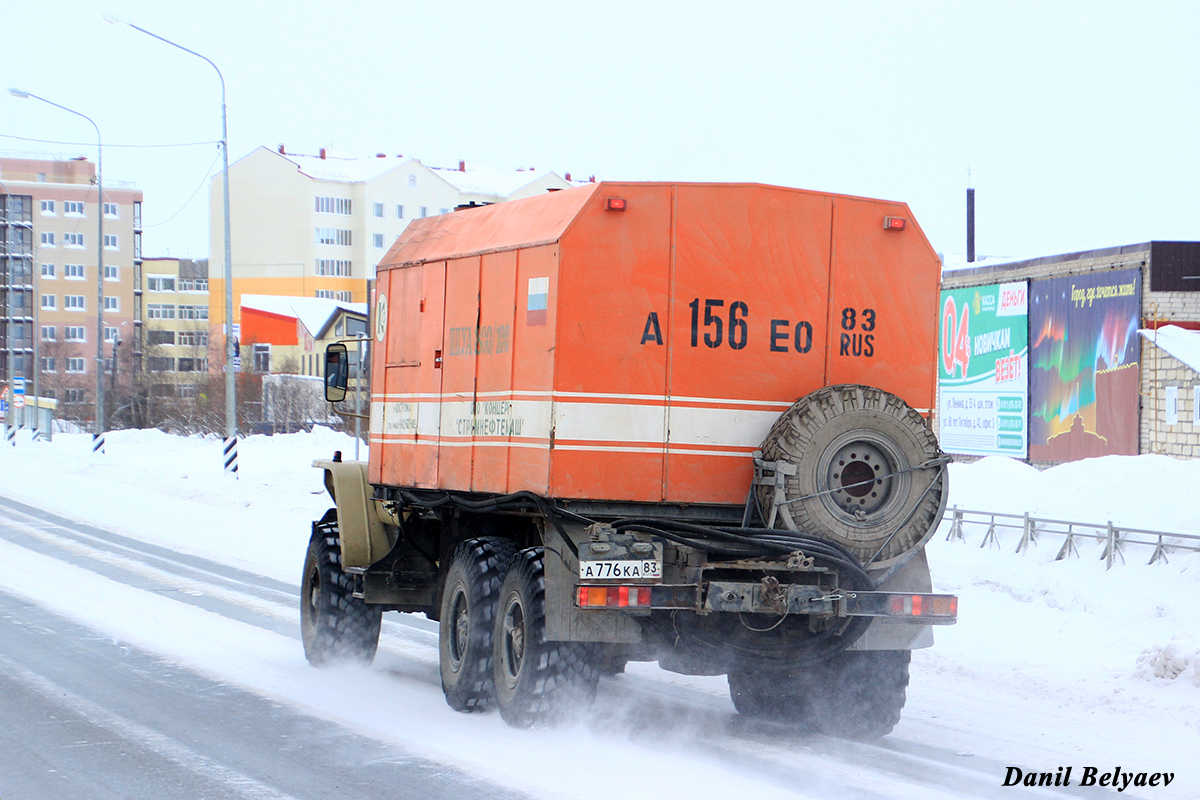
(614, 203)
(894, 223)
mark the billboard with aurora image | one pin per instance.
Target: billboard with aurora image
(1083, 365)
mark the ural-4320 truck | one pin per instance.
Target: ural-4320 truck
(682, 423)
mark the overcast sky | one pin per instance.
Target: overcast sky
(1077, 121)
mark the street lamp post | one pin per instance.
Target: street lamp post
(230, 448)
(98, 435)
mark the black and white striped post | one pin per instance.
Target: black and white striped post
(231, 456)
(10, 434)
(98, 443)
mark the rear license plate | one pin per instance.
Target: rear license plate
(621, 570)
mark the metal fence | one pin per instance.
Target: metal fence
(1113, 539)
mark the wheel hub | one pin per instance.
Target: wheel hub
(514, 639)
(860, 476)
(460, 619)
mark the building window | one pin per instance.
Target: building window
(74, 333)
(445, 211)
(338, 268)
(110, 241)
(74, 302)
(399, 212)
(193, 365)
(424, 211)
(193, 284)
(160, 283)
(377, 239)
(343, 297)
(193, 312)
(112, 304)
(324, 294)
(73, 271)
(75, 365)
(262, 358)
(110, 210)
(48, 208)
(110, 272)
(73, 239)
(160, 311)
(47, 238)
(48, 271)
(187, 390)
(73, 208)
(192, 339)
(74, 396)
(161, 337)
(334, 205)
(49, 333)
(110, 334)
(48, 302)
(160, 364)
(412, 181)
(378, 210)
(48, 364)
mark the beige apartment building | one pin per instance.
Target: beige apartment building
(174, 297)
(316, 225)
(49, 267)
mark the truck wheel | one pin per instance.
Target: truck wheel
(334, 625)
(868, 468)
(538, 682)
(769, 694)
(467, 617)
(863, 693)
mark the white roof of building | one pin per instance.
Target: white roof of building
(1179, 342)
(314, 312)
(350, 170)
(471, 179)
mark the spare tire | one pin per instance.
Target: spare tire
(861, 468)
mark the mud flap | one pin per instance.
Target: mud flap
(363, 537)
(889, 634)
(565, 622)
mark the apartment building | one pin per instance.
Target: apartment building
(174, 297)
(51, 263)
(316, 225)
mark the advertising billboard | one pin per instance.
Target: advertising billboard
(1084, 376)
(983, 387)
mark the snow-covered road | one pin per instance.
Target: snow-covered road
(149, 608)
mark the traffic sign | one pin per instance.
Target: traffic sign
(18, 386)
(19, 401)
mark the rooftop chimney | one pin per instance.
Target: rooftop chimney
(568, 177)
(282, 151)
(381, 155)
(462, 165)
(322, 152)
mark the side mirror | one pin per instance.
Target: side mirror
(337, 372)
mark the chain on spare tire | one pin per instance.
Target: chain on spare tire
(858, 466)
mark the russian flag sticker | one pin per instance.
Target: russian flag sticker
(539, 295)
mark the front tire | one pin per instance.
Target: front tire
(467, 618)
(335, 626)
(538, 682)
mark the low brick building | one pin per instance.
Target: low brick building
(1103, 414)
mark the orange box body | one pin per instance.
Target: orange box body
(565, 347)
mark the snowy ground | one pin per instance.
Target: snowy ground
(1053, 663)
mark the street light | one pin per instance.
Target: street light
(230, 449)
(98, 435)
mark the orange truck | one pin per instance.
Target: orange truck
(683, 423)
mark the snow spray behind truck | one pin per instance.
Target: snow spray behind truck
(681, 423)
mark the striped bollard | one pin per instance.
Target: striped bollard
(10, 434)
(231, 456)
(37, 434)
(98, 444)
